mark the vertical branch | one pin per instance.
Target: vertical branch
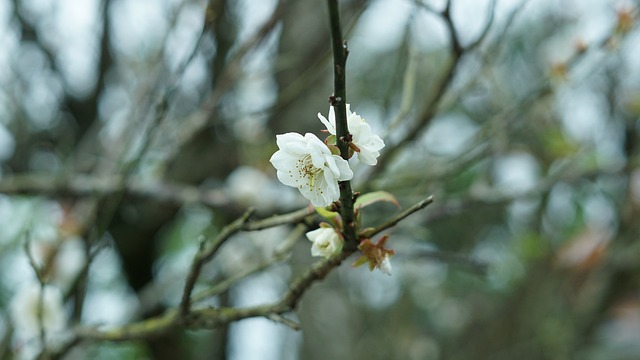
(339, 103)
(339, 98)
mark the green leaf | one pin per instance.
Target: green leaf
(334, 149)
(329, 215)
(360, 261)
(374, 197)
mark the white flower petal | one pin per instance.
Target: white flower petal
(281, 159)
(306, 163)
(385, 265)
(330, 127)
(367, 157)
(330, 188)
(332, 116)
(317, 149)
(292, 143)
(315, 194)
(330, 162)
(326, 242)
(369, 143)
(345, 171)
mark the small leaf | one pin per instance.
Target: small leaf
(334, 149)
(360, 261)
(327, 214)
(374, 197)
(330, 140)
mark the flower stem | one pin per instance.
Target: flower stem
(339, 102)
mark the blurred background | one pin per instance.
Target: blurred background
(129, 128)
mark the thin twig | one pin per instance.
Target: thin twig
(231, 71)
(368, 233)
(431, 106)
(203, 318)
(144, 329)
(283, 320)
(280, 254)
(408, 89)
(487, 27)
(317, 272)
(207, 318)
(79, 185)
(204, 254)
(32, 261)
(294, 217)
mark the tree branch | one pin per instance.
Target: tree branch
(368, 233)
(207, 318)
(204, 254)
(78, 185)
(431, 106)
(339, 103)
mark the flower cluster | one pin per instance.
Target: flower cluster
(306, 163)
(365, 143)
(315, 168)
(310, 165)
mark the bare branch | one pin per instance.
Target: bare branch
(294, 217)
(368, 233)
(204, 254)
(281, 319)
(78, 185)
(280, 254)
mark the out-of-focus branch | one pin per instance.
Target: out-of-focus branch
(317, 272)
(210, 318)
(204, 254)
(458, 205)
(280, 254)
(431, 106)
(230, 73)
(207, 318)
(483, 34)
(84, 110)
(314, 61)
(294, 217)
(507, 119)
(408, 89)
(86, 186)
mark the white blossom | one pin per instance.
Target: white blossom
(27, 317)
(368, 143)
(326, 242)
(385, 265)
(306, 163)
